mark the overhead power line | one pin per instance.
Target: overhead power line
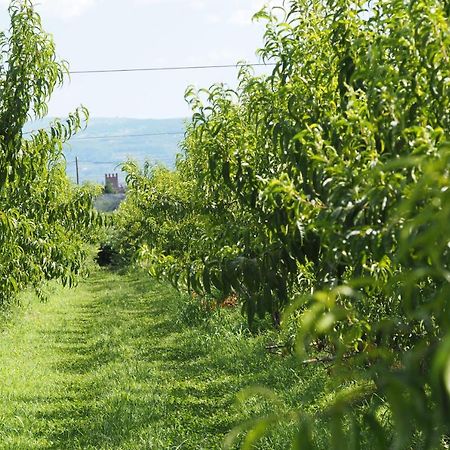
(118, 136)
(117, 163)
(95, 162)
(124, 136)
(169, 68)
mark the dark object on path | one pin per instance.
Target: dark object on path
(106, 256)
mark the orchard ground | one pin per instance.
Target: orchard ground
(124, 362)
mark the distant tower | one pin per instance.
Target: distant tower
(113, 180)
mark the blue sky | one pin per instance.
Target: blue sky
(104, 34)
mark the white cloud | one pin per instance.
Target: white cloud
(243, 16)
(194, 4)
(64, 9)
(60, 9)
(212, 19)
(198, 5)
(220, 56)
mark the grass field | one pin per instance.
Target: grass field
(122, 362)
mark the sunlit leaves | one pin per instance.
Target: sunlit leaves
(330, 172)
(43, 218)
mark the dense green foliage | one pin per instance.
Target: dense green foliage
(324, 188)
(43, 218)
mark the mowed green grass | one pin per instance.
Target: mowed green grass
(122, 362)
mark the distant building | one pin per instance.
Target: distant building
(112, 184)
(113, 180)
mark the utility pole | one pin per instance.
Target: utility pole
(78, 174)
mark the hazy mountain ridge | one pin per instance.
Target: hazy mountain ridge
(103, 155)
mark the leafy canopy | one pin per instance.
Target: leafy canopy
(43, 218)
(321, 192)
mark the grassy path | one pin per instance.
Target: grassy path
(109, 365)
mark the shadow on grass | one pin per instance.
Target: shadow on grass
(135, 378)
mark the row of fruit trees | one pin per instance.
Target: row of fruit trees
(44, 219)
(321, 193)
(318, 194)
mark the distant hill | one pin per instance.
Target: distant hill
(117, 139)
